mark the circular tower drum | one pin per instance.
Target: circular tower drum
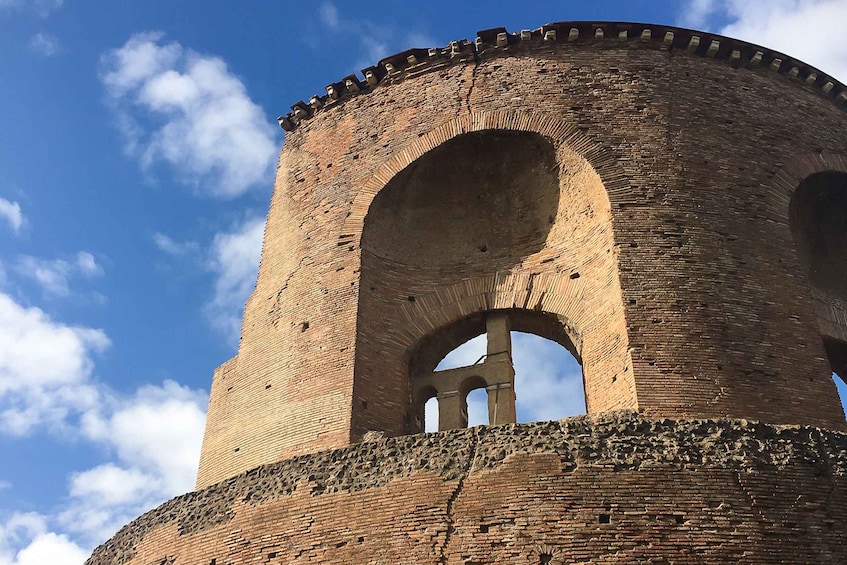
(669, 205)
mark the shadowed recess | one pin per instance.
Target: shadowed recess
(818, 213)
(475, 206)
(481, 198)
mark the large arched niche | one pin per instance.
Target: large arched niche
(818, 217)
(487, 219)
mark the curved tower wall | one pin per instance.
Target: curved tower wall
(670, 206)
(675, 173)
(675, 159)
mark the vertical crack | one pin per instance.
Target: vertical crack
(473, 83)
(442, 558)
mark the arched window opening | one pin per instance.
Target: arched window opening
(818, 214)
(475, 404)
(431, 415)
(545, 381)
(472, 207)
(841, 386)
(427, 402)
(548, 379)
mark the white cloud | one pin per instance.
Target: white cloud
(46, 371)
(28, 531)
(41, 7)
(156, 436)
(52, 275)
(156, 416)
(697, 13)
(809, 30)
(45, 367)
(234, 258)
(173, 247)
(11, 213)
(328, 14)
(374, 41)
(44, 44)
(86, 264)
(188, 111)
(52, 548)
(5, 484)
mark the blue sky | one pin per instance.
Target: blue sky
(136, 158)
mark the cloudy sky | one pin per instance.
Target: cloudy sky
(136, 163)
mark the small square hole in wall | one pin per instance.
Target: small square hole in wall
(483, 528)
(604, 519)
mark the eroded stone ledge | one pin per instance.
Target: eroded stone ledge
(619, 441)
(497, 41)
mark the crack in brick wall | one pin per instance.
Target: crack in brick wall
(488, 472)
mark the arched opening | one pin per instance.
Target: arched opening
(475, 206)
(546, 381)
(818, 215)
(431, 415)
(481, 200)
(486, 221)
(474, 401)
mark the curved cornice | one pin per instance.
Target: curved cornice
(498, 41)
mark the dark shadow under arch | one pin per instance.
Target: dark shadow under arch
(818, 217)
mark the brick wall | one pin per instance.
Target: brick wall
(603, 489)
(692, 299)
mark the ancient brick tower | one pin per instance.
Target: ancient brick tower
(669, 205)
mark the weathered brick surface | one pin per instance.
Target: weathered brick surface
(676, 171)
(626, 191)
(600, 489)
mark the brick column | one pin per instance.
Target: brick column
(452, 414)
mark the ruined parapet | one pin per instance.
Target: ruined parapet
(616, 488)
(496, 41)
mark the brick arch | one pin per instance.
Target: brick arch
(563, 135)
(829, 305)
(442, 307)
(796, 171)
(447, 305)
(574, 275)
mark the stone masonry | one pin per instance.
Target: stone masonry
(669, 205)
(610, 489)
